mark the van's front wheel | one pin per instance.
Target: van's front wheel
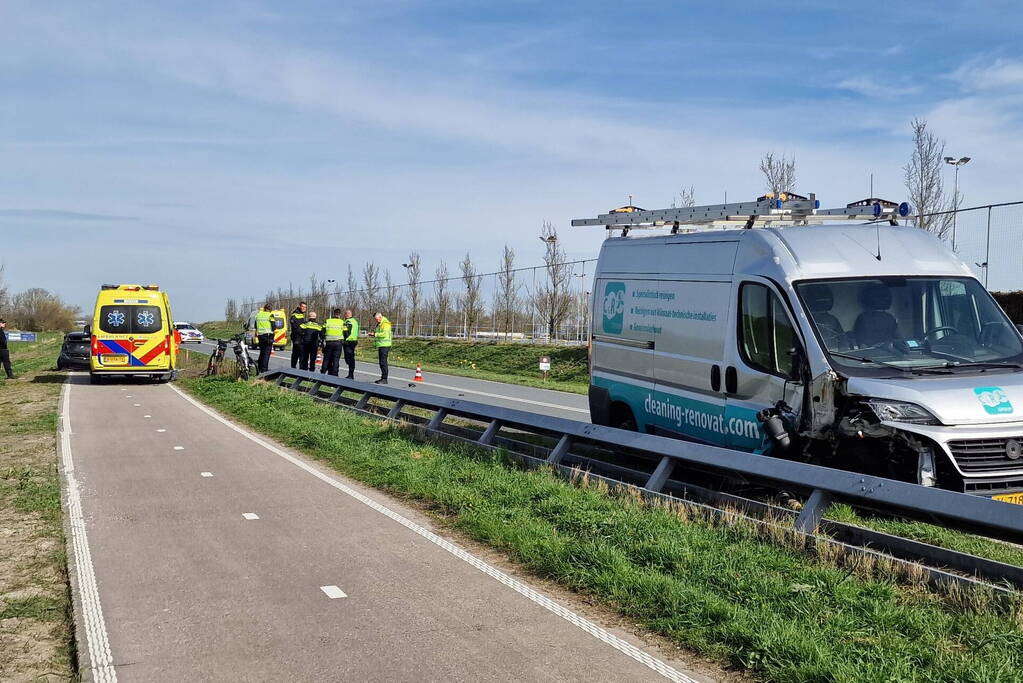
(622, 417)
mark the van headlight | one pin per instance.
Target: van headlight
(900, 411)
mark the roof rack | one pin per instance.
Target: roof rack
(769, 210)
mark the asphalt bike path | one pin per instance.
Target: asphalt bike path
(546, 401)
(199, 551)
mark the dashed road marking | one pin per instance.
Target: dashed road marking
(136, 404)
(250, 515)
(623, 646)
(97, 642)
(179, 448)
(205, 474)
(147, 416)
(333, 592)
(161, 430)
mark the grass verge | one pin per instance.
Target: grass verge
(499, 362)
(720, 589)
(36, 632)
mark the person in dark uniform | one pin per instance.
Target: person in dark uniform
(5, 354)
(297, 333)
(312, 332)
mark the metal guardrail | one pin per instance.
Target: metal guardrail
(962, 511)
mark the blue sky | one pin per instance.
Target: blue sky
(227, 148)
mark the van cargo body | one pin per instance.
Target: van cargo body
(132, 333)
(864, 347)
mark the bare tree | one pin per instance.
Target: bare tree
(231, 311)
(370, 294)
(924, 183)
(39, 309)
(414, 273)
(318, 298)
(393, 301)
(552, 299)
(352, 295)
(471, 301)
(686, 197)
(779, 173)
(441, 297)
(507, 292)
(5, 301)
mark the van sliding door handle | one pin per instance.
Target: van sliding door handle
(715, 378)
(731, 380)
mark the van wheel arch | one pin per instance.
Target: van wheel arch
(621, 417)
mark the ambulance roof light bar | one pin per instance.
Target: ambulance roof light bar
(767, 210)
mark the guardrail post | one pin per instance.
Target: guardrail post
(660, 476)
(336, 395)
(490, 432)
(813, 511)
(297, 384)
(280, 380)
(438, 419)
(361, 405)
(395, 409)
(315, 388)
(558, 452)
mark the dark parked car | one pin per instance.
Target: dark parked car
(75, 352)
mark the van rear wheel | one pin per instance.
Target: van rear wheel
(622, 418)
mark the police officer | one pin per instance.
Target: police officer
(265, 335)
(5, 355)
(333, 336)
(295, 321)
(383, 340)
(350, 338)
(312, 337)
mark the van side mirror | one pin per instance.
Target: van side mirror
(87, 329)
(798, 358)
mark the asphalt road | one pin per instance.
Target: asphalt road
(546, 401)
(202, 552)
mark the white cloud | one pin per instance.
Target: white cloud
(999, 74)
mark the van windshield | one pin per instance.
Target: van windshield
(911, 323)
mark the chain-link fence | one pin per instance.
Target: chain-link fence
(989, 239)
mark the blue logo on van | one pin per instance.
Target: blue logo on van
(614, 307)
(994, 400)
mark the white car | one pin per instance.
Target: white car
(189, 333)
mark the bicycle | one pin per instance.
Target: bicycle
(216, 359)
(241, 355)
(245, 363)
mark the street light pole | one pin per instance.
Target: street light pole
(952, 161)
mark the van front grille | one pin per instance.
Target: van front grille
(984, 455)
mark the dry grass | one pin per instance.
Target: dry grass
(35, 631)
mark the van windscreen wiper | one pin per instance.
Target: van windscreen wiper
(986, 364)
(864, 359)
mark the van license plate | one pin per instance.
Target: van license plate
(114, 359)
(1016, 498)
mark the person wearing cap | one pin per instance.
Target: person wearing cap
(312, 337)
(5, 354)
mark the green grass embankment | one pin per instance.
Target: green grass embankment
(35, 613)
(724, 589)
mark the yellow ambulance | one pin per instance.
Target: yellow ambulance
(133, 333)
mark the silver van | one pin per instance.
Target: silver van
(862, 347)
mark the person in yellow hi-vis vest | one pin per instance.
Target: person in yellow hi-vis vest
(333, 336)
(383, 340)
(351, 338)
(265, 334)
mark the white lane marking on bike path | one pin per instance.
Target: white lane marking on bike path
(97, 641)
(535, 596)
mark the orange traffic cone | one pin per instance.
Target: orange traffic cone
(319, 358)
(419, 373)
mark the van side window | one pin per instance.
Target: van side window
(766, 337)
